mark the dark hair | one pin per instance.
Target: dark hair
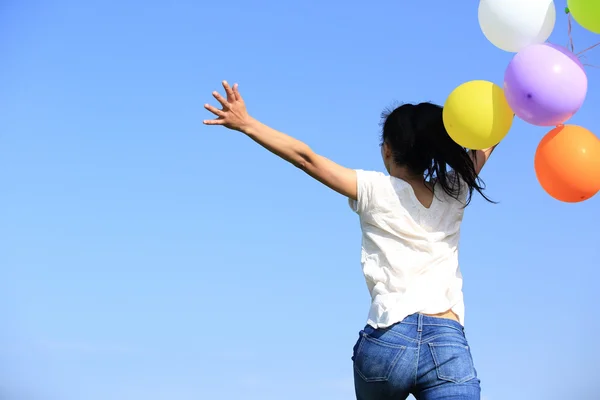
(418, 139)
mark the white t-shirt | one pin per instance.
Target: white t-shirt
(409, 252)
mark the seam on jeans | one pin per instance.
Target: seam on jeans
(381, 342)
(437, 363)
(402, 336)
(471, 382)
(446, 325)
(448, 345)
(448, 335)
(458, 328)
(400, 350)
(418, 358)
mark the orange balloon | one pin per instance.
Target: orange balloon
(567, 163)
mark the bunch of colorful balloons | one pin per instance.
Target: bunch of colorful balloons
(544, 85)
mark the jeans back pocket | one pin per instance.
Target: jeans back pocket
(375, 359)
(453, 362)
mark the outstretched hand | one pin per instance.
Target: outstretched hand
(233, 115)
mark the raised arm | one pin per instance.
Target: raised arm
(234, 115)
(480, 157)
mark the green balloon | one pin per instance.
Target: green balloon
(586, 13)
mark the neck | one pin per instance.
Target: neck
(403, 173)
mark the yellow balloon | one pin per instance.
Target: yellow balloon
(477, 115)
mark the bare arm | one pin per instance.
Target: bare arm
(233, 115)
(480, 157)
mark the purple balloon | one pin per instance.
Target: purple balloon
(545, 84)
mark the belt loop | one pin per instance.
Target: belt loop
(420, 323)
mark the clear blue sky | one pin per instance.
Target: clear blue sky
(145, 256)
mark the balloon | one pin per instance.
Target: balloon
(477, 115)
(512, 25)
(567, 163)
(545, 84)
(586, 13)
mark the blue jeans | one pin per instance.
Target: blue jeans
(424, 356)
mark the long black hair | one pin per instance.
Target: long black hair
(416, 135)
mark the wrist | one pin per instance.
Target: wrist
(250, 127)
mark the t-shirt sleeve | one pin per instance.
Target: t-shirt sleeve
(367, 184)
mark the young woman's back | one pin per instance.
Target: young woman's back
(414, 340)
(409, 251)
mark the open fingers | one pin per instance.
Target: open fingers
(214, 110)
(229, 92)
(236, 92)
(217, 121)
(221, 100)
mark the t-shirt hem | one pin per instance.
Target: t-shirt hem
(383, 325)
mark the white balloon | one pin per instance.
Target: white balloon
(512, 25)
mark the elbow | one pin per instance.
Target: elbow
(303, 164)
(304, 159)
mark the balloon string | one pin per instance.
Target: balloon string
(571, 33)
(588, 49)
(572, 45)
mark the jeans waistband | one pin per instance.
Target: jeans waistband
(422, 320)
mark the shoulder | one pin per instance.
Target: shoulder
(457, 185)
(458, 182)
(371, 180)
(369, 185)
(371, 175)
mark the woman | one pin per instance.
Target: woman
(414, 342)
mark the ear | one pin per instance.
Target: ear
(386, 151)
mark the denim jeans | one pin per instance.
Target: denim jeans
(424, 356)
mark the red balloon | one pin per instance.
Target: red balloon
(567, 163)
